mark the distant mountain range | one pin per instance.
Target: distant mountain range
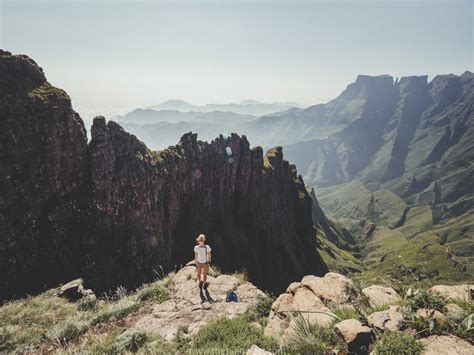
(394, 162)
(245, 107)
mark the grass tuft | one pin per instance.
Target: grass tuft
(397, 343)
(310, 338)
(232, 334)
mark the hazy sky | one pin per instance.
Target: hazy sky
(106, 53)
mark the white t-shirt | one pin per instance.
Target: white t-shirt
(202, 256)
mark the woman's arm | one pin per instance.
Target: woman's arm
(195, 257)
(209, 256)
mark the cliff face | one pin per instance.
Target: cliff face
(117, 213)
(43, 168)
(254, 209)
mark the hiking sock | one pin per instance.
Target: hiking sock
(206, 285)
(200, 284)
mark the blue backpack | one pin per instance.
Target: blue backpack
(232, 296)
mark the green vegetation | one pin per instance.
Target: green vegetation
(421, 259)
(337, 260)
(48, 319)
(432, 322)
(29, 322)
(397, 343)
(343, 313)
(310, 338)
(263, 306)
(232, 334)
(418, 219)
(116, 311)
(121, 340)
(46, 91)
(420, 298)
(156, 292)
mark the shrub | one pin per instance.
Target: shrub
(421, 298)
(155, 292)
(232, 334)
(309, 337)
(263, 306)
(466, 328)
(397, 343)
(130, 341)
(87, 304)
(427, 326)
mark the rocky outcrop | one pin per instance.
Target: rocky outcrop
(185, 310)
(75, 290)
(314, 297)
(117, 213)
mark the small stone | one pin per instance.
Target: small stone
(390, 319)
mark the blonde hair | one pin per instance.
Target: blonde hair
(201, 237)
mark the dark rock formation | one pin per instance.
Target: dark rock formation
(254, 209)
(117, 213)
(43, 169)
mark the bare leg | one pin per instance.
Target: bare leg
(204, 276)
(199, 274)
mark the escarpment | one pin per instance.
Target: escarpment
(116, 213)
(43, 174)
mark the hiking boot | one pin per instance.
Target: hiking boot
(200, 284)
(206, 285)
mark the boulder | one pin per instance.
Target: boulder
(332, 289)
(298, 298)
(390, 319)
(446, 344)
(457, 292)
(454, 313)
(255, 350)
(380, 295)
(356, 335)
(248, 292)
(75, 290)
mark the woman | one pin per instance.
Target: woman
(202, 257)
